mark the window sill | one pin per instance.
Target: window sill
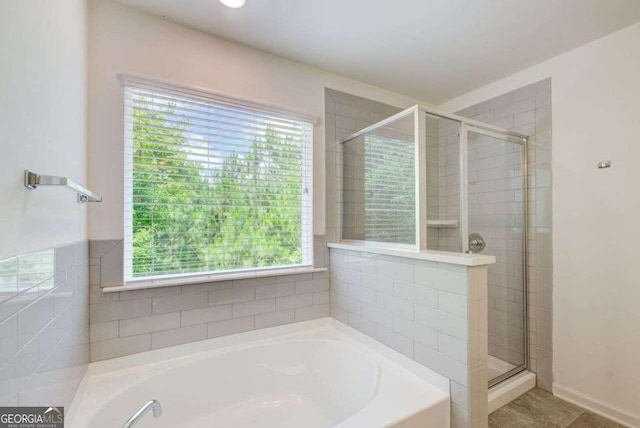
(212, 278)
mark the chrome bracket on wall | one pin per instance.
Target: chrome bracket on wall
(33, 180)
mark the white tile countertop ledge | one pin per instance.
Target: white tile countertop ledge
(400, 251)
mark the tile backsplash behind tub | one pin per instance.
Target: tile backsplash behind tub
(129, 322)
(44, 326)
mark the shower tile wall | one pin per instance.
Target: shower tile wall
(528, 111)
(447, 198)
(44, 326)
(433, 180)
(130, 322)
(443, 183)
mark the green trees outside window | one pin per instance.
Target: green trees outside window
(213, 212)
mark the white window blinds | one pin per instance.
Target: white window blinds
(213, 187)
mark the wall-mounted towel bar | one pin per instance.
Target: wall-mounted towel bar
(33, 180)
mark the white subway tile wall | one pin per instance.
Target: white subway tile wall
(434, 313)
(130, 322)
(493, 205)
(44, 326)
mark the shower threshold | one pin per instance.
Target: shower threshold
(511, 388)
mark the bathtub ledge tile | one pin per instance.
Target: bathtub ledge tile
(232, 326)
(178, 336)
(120, 347)
(313, 312)
(149, 324)
(180, 302)
(254, 308)
(205, 315)
(274, 318)
(294, 302)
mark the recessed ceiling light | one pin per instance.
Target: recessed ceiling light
(233, 4)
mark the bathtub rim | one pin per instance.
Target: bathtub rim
(257, 337)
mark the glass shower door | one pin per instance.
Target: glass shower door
(497, 226)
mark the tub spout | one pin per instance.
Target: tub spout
(135, 418)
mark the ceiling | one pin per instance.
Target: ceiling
(433, 50)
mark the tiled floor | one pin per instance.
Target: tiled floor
(538, 408)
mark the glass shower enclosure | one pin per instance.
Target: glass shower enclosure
(429, 180)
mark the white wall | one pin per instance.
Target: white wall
(126, 40)
(43, 121)
(596, 116)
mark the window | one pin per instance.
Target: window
(213, 185)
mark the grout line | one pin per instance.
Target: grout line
(573, 420)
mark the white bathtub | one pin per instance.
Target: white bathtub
(317, 373)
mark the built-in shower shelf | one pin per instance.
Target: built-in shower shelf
(442, 223)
